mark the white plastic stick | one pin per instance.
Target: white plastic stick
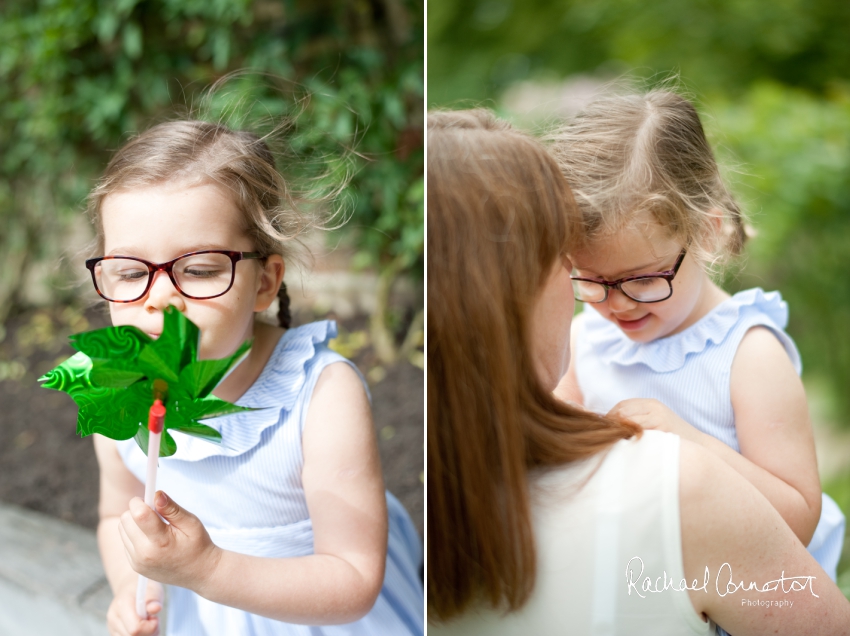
(154, 435)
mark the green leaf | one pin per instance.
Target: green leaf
(132, 40)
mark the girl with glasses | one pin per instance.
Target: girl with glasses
(659, 342)
(286, 530)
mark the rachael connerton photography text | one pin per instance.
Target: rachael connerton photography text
(724, 583)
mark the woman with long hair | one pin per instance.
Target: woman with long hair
(544, 518)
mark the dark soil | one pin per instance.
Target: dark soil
(45, 466)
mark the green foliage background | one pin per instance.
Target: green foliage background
(772, 81)
(78, 76)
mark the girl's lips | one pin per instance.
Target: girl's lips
(153, 335)
(632, 325)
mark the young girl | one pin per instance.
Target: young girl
(286, 527)
(659, 342)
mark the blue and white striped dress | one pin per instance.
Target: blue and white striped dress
(249, 496)
(690, 372)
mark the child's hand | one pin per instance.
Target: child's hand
(652, 414)
(178, 553)
(121, 618)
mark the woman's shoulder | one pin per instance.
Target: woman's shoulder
(627, 497)
(627, 461)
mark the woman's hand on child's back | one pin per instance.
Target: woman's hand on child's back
(652, 414)
(177, 553)
(121, 618)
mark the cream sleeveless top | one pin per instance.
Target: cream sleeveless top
(602, 527)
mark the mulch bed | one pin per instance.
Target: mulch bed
(46, 467)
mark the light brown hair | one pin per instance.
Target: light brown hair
(500, 215)
(629, 152)
(193, 152)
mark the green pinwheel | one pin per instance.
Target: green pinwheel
(119, 370)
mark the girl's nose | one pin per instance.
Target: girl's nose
(619, 302)
(163, 293)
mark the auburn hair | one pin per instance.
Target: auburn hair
(500, 215)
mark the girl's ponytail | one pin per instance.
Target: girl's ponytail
(284, 317)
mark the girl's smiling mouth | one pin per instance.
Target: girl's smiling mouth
(632, 325)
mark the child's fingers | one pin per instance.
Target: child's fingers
(621, 409)
(155, 595)
(121, 619)
(153, 608)
(137, 626)
(172, 512)
(634, 414)
(125, 539)
(145, 627)
(149, 627)
(145, 518)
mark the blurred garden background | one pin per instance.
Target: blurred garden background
(79, 77)
(772, 83)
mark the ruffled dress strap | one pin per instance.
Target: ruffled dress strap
(735, 315)
(276, 392)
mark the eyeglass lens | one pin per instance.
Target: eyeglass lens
(198, 275)
(651, 289)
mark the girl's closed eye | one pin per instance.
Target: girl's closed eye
(124, 271)
(203, 270)
(131, 274)
(644, 282)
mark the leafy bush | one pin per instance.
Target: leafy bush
(80, 75)
(794, 149)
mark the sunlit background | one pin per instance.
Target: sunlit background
(772, 83)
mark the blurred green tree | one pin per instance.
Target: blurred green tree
(795, 181)
(79, 75)
(476, 48)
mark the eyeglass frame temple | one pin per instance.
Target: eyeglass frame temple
(667, 275)
(167, 267)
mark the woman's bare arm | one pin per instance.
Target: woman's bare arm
(731, 529)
